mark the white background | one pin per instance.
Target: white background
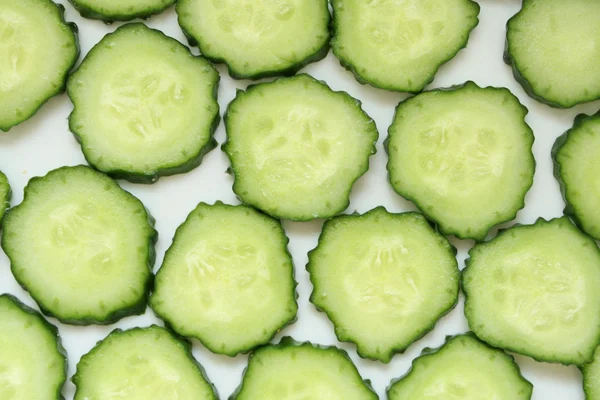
(44, 143)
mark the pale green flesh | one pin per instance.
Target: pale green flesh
(534, 286)
(463, 369)
(123, 8)
(464, 156)
(140, 364)
(256, 37)
(591, 378)
(400, 44)
(37, 49)
(227, 279)
(4, 194)
(555, 45)
(383, 279)
(29, 355)
(140, 111)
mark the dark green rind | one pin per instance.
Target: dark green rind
(570, 209)
(94, 13)
(180, 341)
(519, 206)
(379, 85)
(212, 349)
(232, 171)
(60, 88)
(339, 333)
(291, 70)
(583, 369)
(137, 308)
(288, 341)
(54, 330)
(4, 201)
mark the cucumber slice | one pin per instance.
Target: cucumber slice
(81, 246)
(591, 377)
(257, 39)
(463, 368)
(141, 364)
(554, 49)
(5, 194)
(292, 370)
(33, 365)
(400, 44)
(296, 147)
(383, 279)
(38, 48)
(576, 168)
(227, 279)
(531, 287)
(138, 114)
(450, 150)
(122, 10)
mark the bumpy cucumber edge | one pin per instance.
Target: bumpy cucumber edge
(347, 64)
(61, 88)
(288, 341)
(243, 350)
(136, 308)
(569, 209)
(96, 13)
(193, 162)
(583, 370)
(54, 330)
(318, 55)
(4, 202)
(401, 347)
(231, 170)
(518, 205)
(179, 340)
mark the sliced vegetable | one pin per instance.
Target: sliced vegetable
(122, 10)
(5, 194)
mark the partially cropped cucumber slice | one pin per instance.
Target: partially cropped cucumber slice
(533, 290)
(121, 10)
(297, 147)
(5, 194)
(227, 279)
(81, 246)
(144, 106)
(292, 370)
(400, 44)
(37, 51)
(463, 155)
(256, 39)
(463, 368)
(33, 365)
(383, 279)
(591, 377)
(554, 49)
(141, 364)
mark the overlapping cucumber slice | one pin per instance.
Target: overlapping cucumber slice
(5, 194)
(121, 10)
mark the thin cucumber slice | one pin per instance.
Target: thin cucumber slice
(38, 48)
(33, 365)
(296, 147)
(383, 279)
(141, 364)
(464, 156)
(463, 368)
(257, 39)
(533, 286)
(291, 370)
(122, 10)
(227, 279)
(554, 49)
(81, 246)
(140, 114)
(576, 167)
(591, 377)
(400, 44)
(5, 194)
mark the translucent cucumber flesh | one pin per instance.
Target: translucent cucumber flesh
(591, 377)
(4, 194)
(122, 9)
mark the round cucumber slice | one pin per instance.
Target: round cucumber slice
(144, 106)
(257, 39)
(400, 44)
(38, 48)
(531, 287)
(227, 279)
(591, 377)
(5, 194)
(292, 370)
(81, 246)
(141, 364)
(296, 147)
(464, 156)
(122, 10)
(33, 365)
(554, 49)
(383, 279)
(463, 368)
